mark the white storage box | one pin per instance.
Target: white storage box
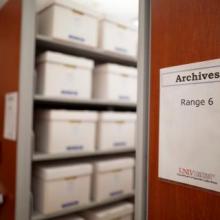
(115, 82)
(60, 131)
(116, 130)
(118, 37)
(67, 20)
(113, 178)
(121, 211)
(57, 188)
(64, 75)
(71, 218)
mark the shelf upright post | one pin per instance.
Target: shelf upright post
(141, 192)
(25, 112)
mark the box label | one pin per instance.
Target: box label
(189, 133)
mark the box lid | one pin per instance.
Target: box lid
(70, 4)
(114, 164)
(119, 22)
(111, 212)
(117, 116)
(59, 58)
(116, 69)
(67, 115)
(53, 172)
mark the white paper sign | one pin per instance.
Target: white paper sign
(10, 118)
(189, 135)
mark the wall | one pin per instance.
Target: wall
(183, 32)
(10, 24)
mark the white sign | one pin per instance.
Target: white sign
(189, 135)
(10, 118)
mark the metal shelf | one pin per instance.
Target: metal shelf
(86, 103)
(44, 43)
(38, 157)
(38, 216)
(48, 43)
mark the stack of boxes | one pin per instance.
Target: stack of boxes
(58, 187)
(65, 185)
(60, 75)
(60, 131)
(85, 26)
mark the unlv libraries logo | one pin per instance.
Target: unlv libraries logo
(197, 175)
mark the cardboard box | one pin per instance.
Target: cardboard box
(64, 75)
(118, 37)
(121, 211)
(60, 131)
(113, 178)
(57, 187)
(71, 218)
(116, 130)
(69, 21)
(115, 82)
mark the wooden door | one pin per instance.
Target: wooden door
(10, 27)
(183, 31)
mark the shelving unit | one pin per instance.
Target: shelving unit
(25, 45)
(44, 43)
(38, 216)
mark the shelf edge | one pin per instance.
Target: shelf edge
(38, 157)
(84, 50)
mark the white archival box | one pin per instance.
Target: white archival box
(67, 20)
(113, 178)
(71, 218)
(60, 131)
(189, 137)
(64, 75)
(59, 187)
(118, 37)
(115, 82)
(121, 211)
(116, 130)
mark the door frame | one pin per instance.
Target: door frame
(26, 82)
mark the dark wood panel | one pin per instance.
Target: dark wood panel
(183, 31)
(10, 17)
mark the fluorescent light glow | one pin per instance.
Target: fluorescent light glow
(125, 10)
